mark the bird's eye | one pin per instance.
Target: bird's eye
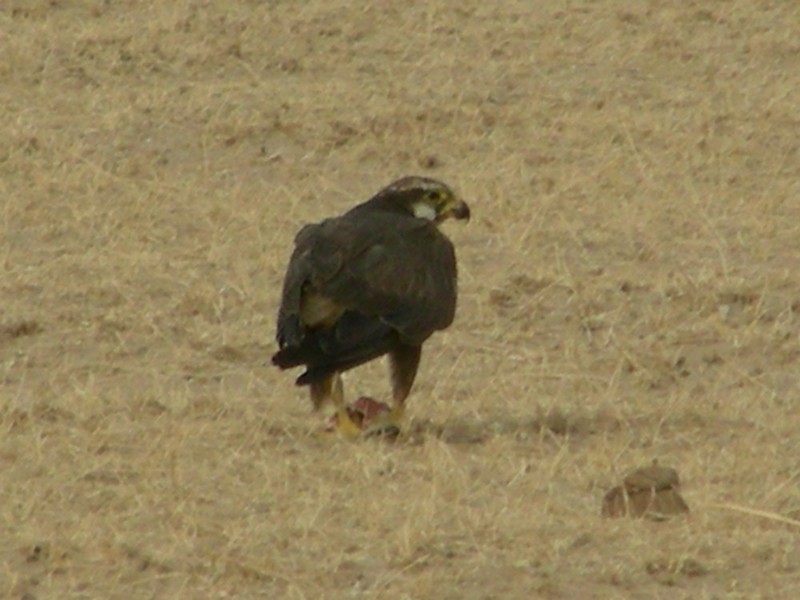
(435, 195)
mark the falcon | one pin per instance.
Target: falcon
(378, 280)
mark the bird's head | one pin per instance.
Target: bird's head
(427, 198)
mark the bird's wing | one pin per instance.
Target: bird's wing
(397, 271)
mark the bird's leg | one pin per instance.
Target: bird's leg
(320, 392)
(344, 424)
(331, 388)
(403, 363)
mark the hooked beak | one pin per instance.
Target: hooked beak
(457, 210)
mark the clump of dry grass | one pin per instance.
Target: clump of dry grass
(629, 291)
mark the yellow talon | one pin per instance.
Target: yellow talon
(345, 425)
(389, 424)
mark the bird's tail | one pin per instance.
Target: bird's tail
(290, 356)
(321, 361)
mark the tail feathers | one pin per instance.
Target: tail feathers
(291, 356)
(322, 358)
(319, 371)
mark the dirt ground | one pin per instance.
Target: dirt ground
(629, 291)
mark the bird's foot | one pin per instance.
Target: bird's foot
(342, 423)
(386, 424)
(365, 417)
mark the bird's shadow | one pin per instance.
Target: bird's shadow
(465, 431)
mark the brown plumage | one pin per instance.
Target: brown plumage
(380, 279)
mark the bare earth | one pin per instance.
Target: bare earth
(630, 291)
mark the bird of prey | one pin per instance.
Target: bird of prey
(378, 280)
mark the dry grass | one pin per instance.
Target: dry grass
(629, 291)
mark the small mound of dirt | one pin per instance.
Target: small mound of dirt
(18, 329)
(651, 492)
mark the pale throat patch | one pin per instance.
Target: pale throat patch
(423, 210)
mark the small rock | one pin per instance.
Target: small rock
(651, 492)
